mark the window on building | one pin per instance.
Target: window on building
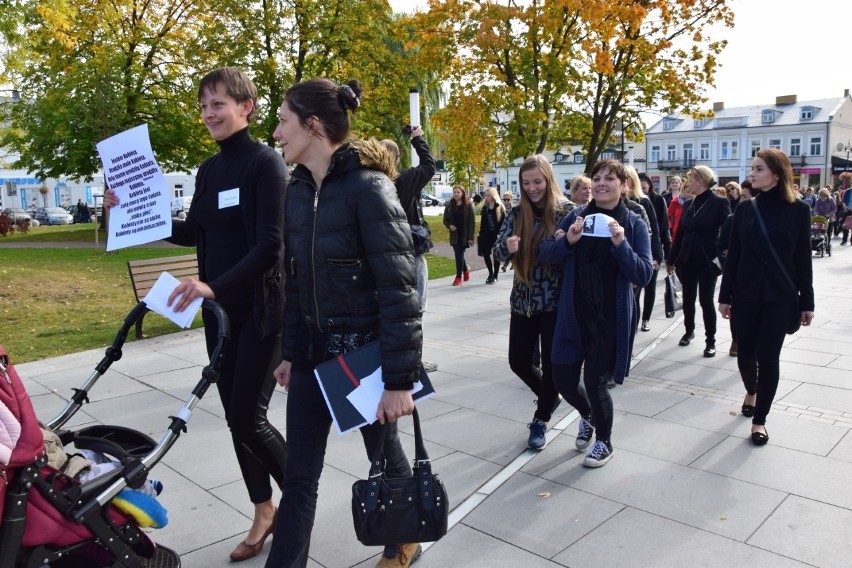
(688, 154)
(735, 150)
(807, 113)
(655, 153)
(608, 155)
(767, 116)
(178, 190)
(704, 151)
(668, 123)
(671, 152)
(11, 188)
(514, 186)
(816, 146)
(724, 150)
(795, 146)
(774, 143)
(699, 122)
(755, 146)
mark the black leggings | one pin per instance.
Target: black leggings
(461, 263)
(245, 386)
(761, 329)
(524, 334)
(698, 282)
(493, 267)
(597, 371)
(650, 296)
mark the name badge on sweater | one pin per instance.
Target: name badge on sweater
(229, 198)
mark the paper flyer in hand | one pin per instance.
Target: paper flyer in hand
(157, 297)
(597, 225)
(352, 387)
(143, 214)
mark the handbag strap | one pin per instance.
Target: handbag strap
(774, 254)
(422, 468)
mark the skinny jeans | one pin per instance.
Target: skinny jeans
(650, 296)
(698, 282)
(524, 335)
(461, 263)
(597, 371)
(245, 387)
(761, 328)
(308, 426)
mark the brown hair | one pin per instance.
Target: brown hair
(525, 226)
(464, 200)
(237, 86)
(329, 102)
(779, 164)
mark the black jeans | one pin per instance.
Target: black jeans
(308, 424)
(524, 335)
(245, 387)
(650, 296)
(761, 329)
(461, 263)
(698, 282)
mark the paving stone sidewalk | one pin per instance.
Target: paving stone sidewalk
(685, 486)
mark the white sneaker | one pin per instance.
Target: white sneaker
(584, 434)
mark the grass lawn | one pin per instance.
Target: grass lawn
(55, 301)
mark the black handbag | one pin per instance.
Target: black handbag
(403, 510)
(674, 295)
(796, 316)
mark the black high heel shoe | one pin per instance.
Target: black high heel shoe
(760, 438)
(684, 341)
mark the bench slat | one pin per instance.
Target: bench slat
(144, 273)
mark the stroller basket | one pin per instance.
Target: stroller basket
(48, 519)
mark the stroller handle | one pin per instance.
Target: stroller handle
(113, 353)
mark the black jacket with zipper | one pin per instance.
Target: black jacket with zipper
(350, 265)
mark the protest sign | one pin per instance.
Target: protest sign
(143, 213)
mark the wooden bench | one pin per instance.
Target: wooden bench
(144, 274)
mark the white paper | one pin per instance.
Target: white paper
(333, 417)
(143, 214)
(157, 297)
(229, 198)
(597, 225)
(367, 396)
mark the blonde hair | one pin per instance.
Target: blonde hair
(705, 174)
(525, 225)
(678, 178)
(634, 186)
(495, 199)
(824, 193)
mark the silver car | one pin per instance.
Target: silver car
(53, 216)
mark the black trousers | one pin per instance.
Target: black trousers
(698, 282)
(461, 263)
(524, 335)
(650, 296)
(761, 329)
(245, 387)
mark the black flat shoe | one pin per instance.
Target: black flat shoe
(710, 350)
(645, 326)
(759, 438)
(684, 341)
(747, 410)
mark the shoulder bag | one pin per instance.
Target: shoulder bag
(796, 320)
(404, 510)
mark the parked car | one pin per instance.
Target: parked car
(53, 216)
(181, 205)
(429, 200)
(19, 215)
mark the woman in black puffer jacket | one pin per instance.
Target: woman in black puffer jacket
(350, 280)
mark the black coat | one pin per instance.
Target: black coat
(751, 273)
(661, 208)
(349, 261)
(411, 181)
(698, 233)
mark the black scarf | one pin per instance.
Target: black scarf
(593, 263)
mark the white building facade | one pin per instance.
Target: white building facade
(816, 135)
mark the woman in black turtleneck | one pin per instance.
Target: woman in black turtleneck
(236, 224)
(694, 252)
(757, 287)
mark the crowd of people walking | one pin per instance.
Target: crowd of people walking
(338, 261)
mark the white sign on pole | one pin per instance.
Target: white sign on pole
(414, 120)
(143, 214)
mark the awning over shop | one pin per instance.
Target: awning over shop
(840, 165)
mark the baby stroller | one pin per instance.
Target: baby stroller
(50, 519)
(820, 243)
